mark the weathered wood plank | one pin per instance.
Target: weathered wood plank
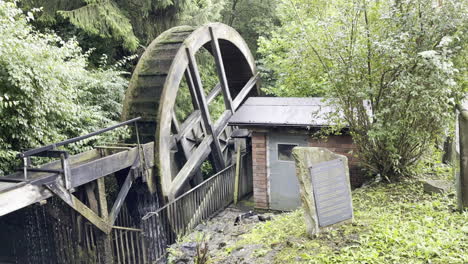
(80, 207)
(220, 69)
(20, 195)
(96, 169)
(122, 195)
(245, 91)
(205, 114)
(190, 167)
(213, 93)
(186, 148)
(101, 189)
(93, 202)
(222, 122)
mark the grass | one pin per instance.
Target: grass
(393, 223)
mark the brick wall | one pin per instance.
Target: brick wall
(259, 162)
(342, 144)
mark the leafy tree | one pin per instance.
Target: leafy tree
(396, 55)
(252, 18)
(47, 92)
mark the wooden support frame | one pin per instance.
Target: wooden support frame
(15, 196)
(194, 78)
(155, 85)
(79, 206)
(119, 201)
(220, 69)
(245, 91)
(193, 163)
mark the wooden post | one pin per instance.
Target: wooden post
(99, 206)
(238, 165)
(462, 178)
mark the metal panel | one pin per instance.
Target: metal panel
(279, 111)
(331, 192)
(284, 186)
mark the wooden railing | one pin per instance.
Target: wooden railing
(182, 215)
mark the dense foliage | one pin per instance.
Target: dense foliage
(119, 27)
(252, 18)
(47, 92)
(402, 58)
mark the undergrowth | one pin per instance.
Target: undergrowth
(393, 223)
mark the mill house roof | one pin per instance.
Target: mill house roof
(283, 112)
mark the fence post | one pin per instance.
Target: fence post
(462, 178)
(236, 180)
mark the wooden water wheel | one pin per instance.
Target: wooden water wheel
(181, 146)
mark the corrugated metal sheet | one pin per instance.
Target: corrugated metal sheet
(281, 111)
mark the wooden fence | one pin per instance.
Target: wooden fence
(182, 215)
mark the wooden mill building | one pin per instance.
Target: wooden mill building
(276, 126)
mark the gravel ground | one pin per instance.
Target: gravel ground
(220, 234)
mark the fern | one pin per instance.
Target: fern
(105, 19)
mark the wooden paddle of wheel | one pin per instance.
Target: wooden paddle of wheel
(181, 148)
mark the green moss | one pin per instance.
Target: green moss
(394, 223)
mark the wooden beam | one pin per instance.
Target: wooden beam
(93, 202)
(122, 195)
(175, 124)
(195, 117)
(80, 207)
(190, 167)
(213, 93)
(205, 114)
(245, 91)
(220, 69)
(14, 196)
(96, 169)
(186, 150)
(187, 126)
(101, 190)
(104, 241)
(190, 85)
(222, 122)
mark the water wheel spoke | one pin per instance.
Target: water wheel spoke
(213, 93)
(191, 86)
(167, 66)
(245, 91)
(205, 114)
(194, 162)
(220, 69)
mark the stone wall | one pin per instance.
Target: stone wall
(259, 162)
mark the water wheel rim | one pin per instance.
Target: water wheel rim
(165, 60)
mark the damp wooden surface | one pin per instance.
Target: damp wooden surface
(85, 167)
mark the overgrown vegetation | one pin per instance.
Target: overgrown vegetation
(393, 223)
(128, 22)
(47, 91)
(403, 59)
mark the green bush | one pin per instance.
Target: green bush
(405, 59)
(47, 91)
